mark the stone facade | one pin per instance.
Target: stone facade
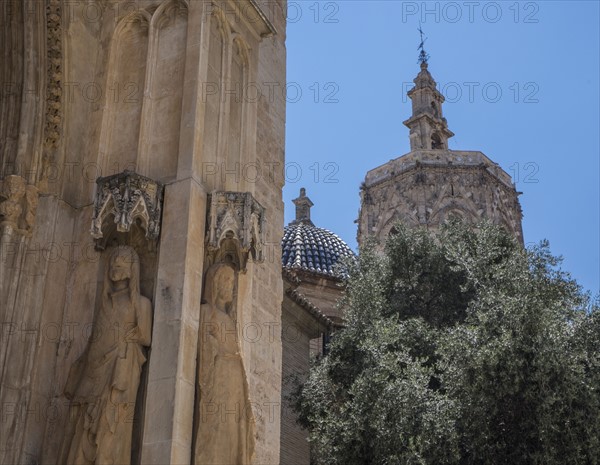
(313, 285)
(433, 183)
(98, 88)
(150, 127)
(310, 316)
(303, 325)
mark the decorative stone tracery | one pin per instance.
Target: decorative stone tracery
(420, 191)
(235, 226)
(130, 199)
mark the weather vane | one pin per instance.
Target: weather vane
(423, 55)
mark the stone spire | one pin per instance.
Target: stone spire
(428, 128)
(303, 204)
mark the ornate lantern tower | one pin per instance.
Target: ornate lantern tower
(432, 183)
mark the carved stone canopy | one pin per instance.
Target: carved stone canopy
(130, 199)
(235, 228)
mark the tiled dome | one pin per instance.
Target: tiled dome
(310, 248)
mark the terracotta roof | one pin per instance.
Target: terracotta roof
(306, 304)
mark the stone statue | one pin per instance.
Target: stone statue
(224, 415)
(13, 190)
(103, 382)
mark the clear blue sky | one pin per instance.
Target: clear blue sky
(533, 106)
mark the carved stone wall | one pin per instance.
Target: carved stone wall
(54, 88)
(426, 188)
(12, 75)
(51, 272)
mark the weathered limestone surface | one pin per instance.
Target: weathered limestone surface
(100, 87)
(103, 382)
(427, 187)
(225, 432)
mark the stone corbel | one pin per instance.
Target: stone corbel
(235, 228)
(129, 199)
(18, 204)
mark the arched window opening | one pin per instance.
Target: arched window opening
(436, 142)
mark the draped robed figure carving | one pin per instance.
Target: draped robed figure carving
(103, 382)
(225, 433)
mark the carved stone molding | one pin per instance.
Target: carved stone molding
(54, 78)
(235, 218)
(129, 198)
(18, 204)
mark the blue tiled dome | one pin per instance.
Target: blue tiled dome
(310, 248)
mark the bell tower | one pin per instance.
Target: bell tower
(431, 184)
(428, 127)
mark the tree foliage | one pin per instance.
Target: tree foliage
(459, 348)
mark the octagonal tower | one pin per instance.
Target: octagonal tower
(432, 183)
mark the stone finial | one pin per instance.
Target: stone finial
(303, 204)
(424, 78)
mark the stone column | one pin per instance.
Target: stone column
(169, 408)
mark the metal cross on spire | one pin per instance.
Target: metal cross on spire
(423, 55)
